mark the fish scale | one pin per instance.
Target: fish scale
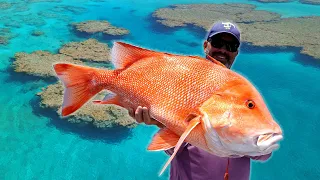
(167, 94)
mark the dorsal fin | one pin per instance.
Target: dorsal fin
(123, 54)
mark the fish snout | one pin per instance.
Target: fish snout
(268, 141)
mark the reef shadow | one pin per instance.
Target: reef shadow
(99, 35)
(110, 135)
(22, 77)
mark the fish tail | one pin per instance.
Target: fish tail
(81, 83)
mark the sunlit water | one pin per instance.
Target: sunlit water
(36, 144)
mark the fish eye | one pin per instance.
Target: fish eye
(250, 104)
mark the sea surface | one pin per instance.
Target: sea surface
(36, 144)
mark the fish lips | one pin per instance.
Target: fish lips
(269, 143)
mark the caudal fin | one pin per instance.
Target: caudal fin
(80, 84)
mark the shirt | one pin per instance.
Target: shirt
(192, 163)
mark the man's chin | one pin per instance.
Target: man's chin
(222, 60)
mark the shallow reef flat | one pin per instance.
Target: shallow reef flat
(290, 32)
(18, 6)
(314, 2)
(101, 116)
(73, 9)
(37, 33)
(274, 1)
(53, 15)
(89, 50)
(12, 18)
(6, 35)
(35, 1)
(16, 21)
(182, 15)
(96, 26)
(259, 28)
(39, 63)
(5, 5)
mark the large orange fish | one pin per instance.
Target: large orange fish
(198, 101)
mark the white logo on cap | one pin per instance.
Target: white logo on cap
(227, 25)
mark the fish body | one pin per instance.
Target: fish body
(198, 101)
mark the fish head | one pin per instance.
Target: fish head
(238, 123)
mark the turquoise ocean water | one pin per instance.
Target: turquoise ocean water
(36, 144)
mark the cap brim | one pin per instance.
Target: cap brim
(226, 32)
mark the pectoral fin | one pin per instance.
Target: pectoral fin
(109, 99)
(163, 140)
(192, 124)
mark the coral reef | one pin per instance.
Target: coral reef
(35, 1)
(18, 20)
(182, 15)
(101, 116)
(48, 14)
(21, 8)
(90, 50)
(37, 33)
(73, 9)
(6, 35)
(39, 63)
(5, 5)
(3, 40)
(104, 27)
(274, 1)
(260, 28)
(314, 2)
(289, 32)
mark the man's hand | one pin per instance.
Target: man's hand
(141, 115)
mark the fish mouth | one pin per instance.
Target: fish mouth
(268, 141)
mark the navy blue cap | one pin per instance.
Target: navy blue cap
(224, 27)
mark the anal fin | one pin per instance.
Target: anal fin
(163, 140)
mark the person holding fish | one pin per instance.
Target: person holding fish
(212, 119)
(193, 163)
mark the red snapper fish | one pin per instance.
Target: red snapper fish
(198, 101)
